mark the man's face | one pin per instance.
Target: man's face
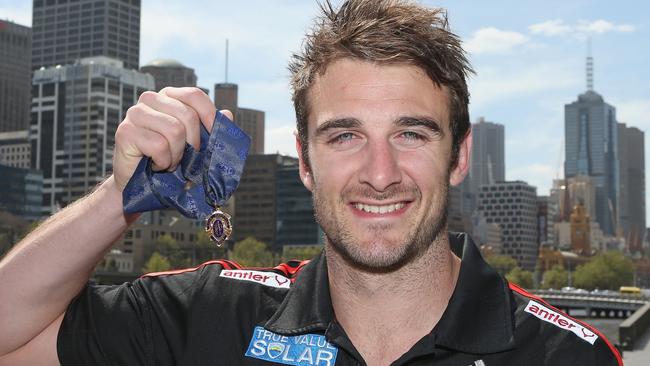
(379, 150)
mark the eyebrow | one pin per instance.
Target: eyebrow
(337, 123)
(427, 122)
(344, 123)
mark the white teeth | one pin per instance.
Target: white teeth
(379, 209)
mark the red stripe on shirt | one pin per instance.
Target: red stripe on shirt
(525, 293)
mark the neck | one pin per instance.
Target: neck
(395, 308)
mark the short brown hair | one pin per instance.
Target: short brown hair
(389, 32)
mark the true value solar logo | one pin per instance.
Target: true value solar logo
(300, 350)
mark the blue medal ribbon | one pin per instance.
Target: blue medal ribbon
(203, 181)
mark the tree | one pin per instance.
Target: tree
(168, 247)
(12, 229)
(609, 270)
(204, 249)
(156, 263)
(501, 263)
(520, 277)
(555, 277)
(251, 252)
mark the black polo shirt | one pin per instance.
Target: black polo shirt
(221, 314)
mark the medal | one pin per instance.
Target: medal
(202, 182)
(218, 226)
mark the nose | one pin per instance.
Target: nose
(380, 167)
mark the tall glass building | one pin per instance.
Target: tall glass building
(591, 148)
(488, 163)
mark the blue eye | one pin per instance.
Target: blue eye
(410, 135)
(344, 137)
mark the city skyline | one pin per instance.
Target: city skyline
(530, 62)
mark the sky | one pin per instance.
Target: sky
(529, 58)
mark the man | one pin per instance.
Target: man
(383, 129)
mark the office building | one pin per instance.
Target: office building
(21, 192)
(133, 250)
(513, 206)
(591, 148)
(269, 202)
(631, 203)
(15, 150)
(67, 30)
(15, 76)
(168, 72)
(75, 112)
(296, 223)
(249, 120)
(487, 165)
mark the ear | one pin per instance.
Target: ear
(305, 172)
(462, 165)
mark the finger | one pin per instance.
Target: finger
(134, 142)
(197, 100)
(181, 111)
(144, 117)
(228, 114)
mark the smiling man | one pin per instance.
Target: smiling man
(383, 130)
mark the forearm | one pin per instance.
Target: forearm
(40, 276)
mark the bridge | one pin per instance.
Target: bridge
(593, 305)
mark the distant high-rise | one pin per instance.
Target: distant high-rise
(168, 72)
(296, 224)
(15, 76)
(256, 198)
(591, 148)
(631, 203)
(75, 113)
(513, 206)
(249, 120)
(65, 31)
(488, 154)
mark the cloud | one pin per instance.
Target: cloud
(493, 40)
(496, 84)
(557, 27)
(550, 28)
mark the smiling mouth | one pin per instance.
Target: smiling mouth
(379, 209)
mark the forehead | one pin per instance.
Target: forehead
(372, 92)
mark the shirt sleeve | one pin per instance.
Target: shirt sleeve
(106, 325)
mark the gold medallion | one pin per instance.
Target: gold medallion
(218, 226)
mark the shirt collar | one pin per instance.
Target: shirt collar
(478, 319)
(480, 315)
(307, 306)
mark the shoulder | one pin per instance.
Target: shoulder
(559, 338)
(222, 277)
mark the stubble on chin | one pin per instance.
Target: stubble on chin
(379, 254)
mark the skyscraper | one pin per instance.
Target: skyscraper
(15, 76)
(75, 113)
(631, 203)
(249, 120)
(67, 30)
(488, 154)
(256, 198)
(591, 149)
